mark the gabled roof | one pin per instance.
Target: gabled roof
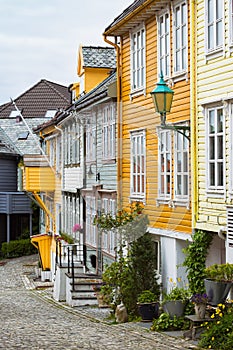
(96, 94)
(133, 15)
(35, 105)
(95, 57)
(35, 102)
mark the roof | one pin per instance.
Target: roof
(35, 102)
(133, 15)
(99, 57)
(96, 94)
(100, 91)
(35, 105)
(6, 145)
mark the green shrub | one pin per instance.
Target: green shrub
(166, 323)
(20, 247)
(218, 333)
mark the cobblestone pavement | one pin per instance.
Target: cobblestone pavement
(32, 320)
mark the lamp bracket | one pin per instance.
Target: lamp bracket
(179, 128)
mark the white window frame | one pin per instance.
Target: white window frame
(164, 154)
(180, 38)
(217, 49)
(164, 56)
(91, 142)
(58, 154)
(109, 132)
(109, 237)
(52, 151)
(91, 234)
(181, 155)
(214, 160)
(231, 24)
(138, 60)
(138, 158)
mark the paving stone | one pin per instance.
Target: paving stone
(31, 319)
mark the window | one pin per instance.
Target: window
(51, 152)
(138, 60)
(91, 142)
(164, 44)
(214, 24)
(181, 166)
(231, 21)
(109, 132)
(138, 160)
(165, 164)
(109, 237)
(180, 37)
(173, 168)
(215, 148)
(58, 154)
(90, 227)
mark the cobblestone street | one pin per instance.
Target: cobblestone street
(30, 319)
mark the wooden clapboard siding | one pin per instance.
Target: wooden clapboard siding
(139, 113)
(214, 83)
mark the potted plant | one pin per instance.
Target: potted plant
(218, 282)
(148, 305)
(175, 301)
(200, 301)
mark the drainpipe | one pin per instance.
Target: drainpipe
(119, 118)
(193, 116)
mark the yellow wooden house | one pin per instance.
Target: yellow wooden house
(154, 162)
(214, 95)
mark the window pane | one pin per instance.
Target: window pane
(220, 147)
(219, 33)
(212, 174)
(211, 37)
(220, 174)
(211, 6)
(211, 122)
(211, 148)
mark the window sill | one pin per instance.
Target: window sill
(137, 93)
(214, 54)
(215, 193)
(179, 76)
(137, 198)
(173, 203)
(109, 161)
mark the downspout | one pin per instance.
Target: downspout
(119, 119)
(193, 111)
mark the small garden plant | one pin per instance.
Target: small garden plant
(218, 334)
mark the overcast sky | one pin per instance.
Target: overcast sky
(40, 39)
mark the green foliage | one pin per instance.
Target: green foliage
(177, 293)
(147, 296)
(67, 238)
(126, 278)
(220, 272)
(218, 334)
(17, 248)
(195, 260)
(107, 221)
(165, 323)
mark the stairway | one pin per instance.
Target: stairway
(81, 293)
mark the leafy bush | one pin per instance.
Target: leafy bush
(17, 248)
(165, 323)
(218, 333)
(147, 297)
(220, 272)
(177, 293)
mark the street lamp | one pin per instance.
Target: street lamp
(162, 97)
